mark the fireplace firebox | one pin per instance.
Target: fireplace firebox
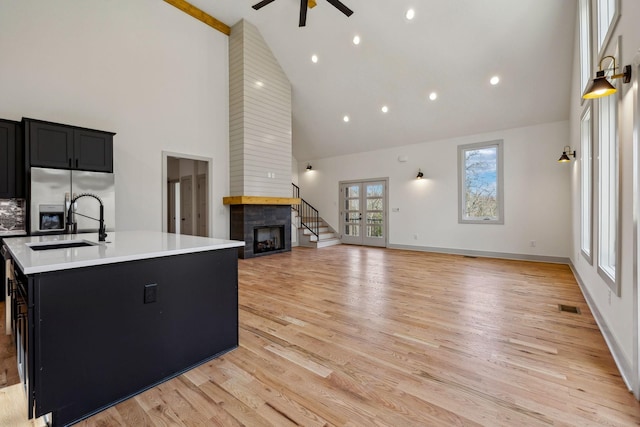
(268, 239)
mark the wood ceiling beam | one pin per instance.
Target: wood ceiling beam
(200, 15)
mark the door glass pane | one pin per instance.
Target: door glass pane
(352, 191)
(374, 217)
(374, 204)
(352, 217)
(352, 230)
(374, 231)
(374, 190)
(352, 204)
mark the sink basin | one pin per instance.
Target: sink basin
(47, 246)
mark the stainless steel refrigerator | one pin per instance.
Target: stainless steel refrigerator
(52, 190)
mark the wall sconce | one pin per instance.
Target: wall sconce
(420, 174)
(566, 152)
(601, 86)
(309, 167)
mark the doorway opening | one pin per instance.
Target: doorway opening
(363, 212)
(185, 194)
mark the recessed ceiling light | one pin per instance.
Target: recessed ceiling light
(433, 96)
(385, 109)
(356, 40)
(494, 80)
(314, 59)
(346, 119)
(410, 14)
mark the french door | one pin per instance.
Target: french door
(363, 212)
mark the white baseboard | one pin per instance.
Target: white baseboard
(626, 370)
(483, 254)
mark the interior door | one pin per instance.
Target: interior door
(363, 213)
(186, 205)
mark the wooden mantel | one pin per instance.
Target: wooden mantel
(260, 200)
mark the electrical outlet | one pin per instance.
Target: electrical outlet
(415, 237)
(533, 243)
(150, 293)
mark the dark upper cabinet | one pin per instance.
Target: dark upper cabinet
(53, 145)
(12, 175)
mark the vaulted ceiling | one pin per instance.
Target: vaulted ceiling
(451, 48)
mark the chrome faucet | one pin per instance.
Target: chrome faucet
(72, 226)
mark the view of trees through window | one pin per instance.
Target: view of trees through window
(480, 183)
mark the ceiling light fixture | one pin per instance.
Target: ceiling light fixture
(385, 109)
(410, 14)
(566, 152)
(356, 40)
(346, 119)
(494, 80)
(433, 96)
(600, 86)
(314, 59)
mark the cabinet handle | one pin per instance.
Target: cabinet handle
(76, 163)
(69, 161)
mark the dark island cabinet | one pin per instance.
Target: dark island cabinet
(53, 145)
(11, 160)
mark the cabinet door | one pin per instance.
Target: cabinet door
(51, 146)
(7, 160)
(93, 150)
(12, 175)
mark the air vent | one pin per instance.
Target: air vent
(470, 256)
(569, 308)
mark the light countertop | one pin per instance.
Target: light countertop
(120, 246)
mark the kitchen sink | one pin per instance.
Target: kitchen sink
(47, 246)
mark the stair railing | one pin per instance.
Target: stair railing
(308, 215)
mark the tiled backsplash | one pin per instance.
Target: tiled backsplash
(12, 214)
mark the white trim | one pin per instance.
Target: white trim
(482, 254)
(626, 370)
(636, 231)
(209, 160)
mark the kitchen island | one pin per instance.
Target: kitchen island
(98, 322)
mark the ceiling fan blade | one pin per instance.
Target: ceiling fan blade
(261, 4)
(303, 13)
(341, 7)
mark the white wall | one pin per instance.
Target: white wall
(260, 116)
(537, 197)
(143, 69)
(617, 313)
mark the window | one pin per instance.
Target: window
(480, 195)
(586, 190)
(608, 189)
(585, 43)
(608, 12)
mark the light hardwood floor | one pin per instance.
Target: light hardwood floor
(357, 336)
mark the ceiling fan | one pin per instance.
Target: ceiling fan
(308, 4)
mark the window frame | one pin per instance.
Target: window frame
(604, 37)
(462, 149)
(586, 183)
(610, 274)
(584, 24)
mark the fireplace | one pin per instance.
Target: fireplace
(268, 239)
(265, 229)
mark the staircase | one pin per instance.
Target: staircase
(326, 235)
(313, 231)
